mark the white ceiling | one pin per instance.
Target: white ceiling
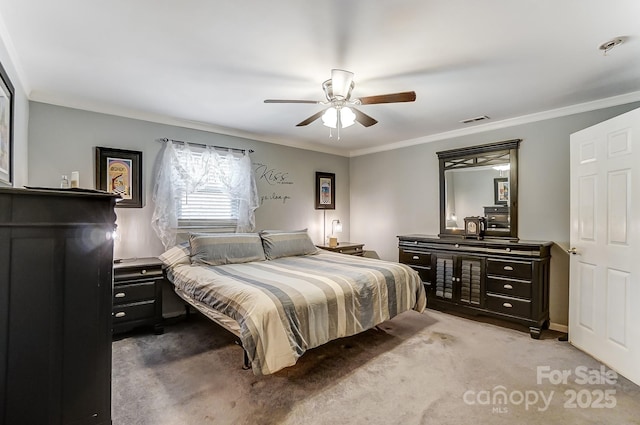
(210, 64)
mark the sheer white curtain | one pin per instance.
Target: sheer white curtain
(182, 170)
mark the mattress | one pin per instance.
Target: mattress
(283, 307)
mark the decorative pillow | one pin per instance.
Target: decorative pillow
(178, 254)
(225, 248)
(278, 243)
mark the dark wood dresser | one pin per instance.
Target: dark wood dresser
(56, 260)
(137, 294)
(502, 279)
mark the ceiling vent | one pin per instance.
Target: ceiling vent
(476, 119)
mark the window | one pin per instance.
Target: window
(202, 190)
(208, 205)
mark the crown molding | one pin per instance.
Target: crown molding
(177, 122)
(511, 122)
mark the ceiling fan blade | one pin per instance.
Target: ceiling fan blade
(315, 102)
(363, 118)
(311, 119)
(407, 96)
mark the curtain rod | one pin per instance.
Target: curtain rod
(204, 145)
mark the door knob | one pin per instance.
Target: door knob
(572, 250)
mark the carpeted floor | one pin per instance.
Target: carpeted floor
(430, 368)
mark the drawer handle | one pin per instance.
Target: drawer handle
(415, 257)
(120, 295)
(508, 249)
(121, 314)
(143, 272)
(507, 286)
(457, 245)
(508, 305)
(508, 268)
(493, 217)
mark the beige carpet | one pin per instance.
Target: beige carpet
(431, 368)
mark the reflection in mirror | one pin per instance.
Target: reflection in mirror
(480, 181)
(471, 191)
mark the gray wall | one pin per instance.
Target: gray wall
(63, 140)
(397, 192)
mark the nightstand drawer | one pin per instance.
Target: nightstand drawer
(356, 250)
(137, 294)
(508, 268)
(137, 273)
(126, 294)
(508, 305)
(131, 312)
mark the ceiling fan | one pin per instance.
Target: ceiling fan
(340, 112)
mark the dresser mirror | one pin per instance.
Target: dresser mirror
(480, 181)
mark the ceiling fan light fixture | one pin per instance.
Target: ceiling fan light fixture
(330, 117)
(341, 83)
(347, 117)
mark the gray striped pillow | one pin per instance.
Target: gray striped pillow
(215, 249)
(178, 254)
(287, 243)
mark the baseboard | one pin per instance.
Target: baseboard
(558, 327)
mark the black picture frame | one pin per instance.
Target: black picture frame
(501, 191)
(7, 94)
(119, 171)
(325, 191)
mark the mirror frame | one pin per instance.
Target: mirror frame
(475, 156)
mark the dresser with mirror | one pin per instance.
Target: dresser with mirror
(483, 269)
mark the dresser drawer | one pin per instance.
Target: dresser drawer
(415, 258)
(508, 305)
(130, 312)
(126, 294)
(424, 272)
(498, 209)
(509, 268)
(513, 288)
(497, 217)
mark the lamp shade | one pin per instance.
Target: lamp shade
(336, 227)
(330, 117)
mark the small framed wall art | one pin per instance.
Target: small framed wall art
(6, 129)
(325, 191)
(119, 171)
(501, 191)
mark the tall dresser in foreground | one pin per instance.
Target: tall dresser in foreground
(56, 264)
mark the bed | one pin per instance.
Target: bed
(282, 296)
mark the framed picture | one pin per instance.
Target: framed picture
(325, 191)
(6, 129)
(501, 191)
(119, 171)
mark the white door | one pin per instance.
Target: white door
(604, 294)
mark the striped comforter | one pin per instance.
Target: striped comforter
(289, 305)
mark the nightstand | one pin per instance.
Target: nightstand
(137, 294)
(349, 248)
